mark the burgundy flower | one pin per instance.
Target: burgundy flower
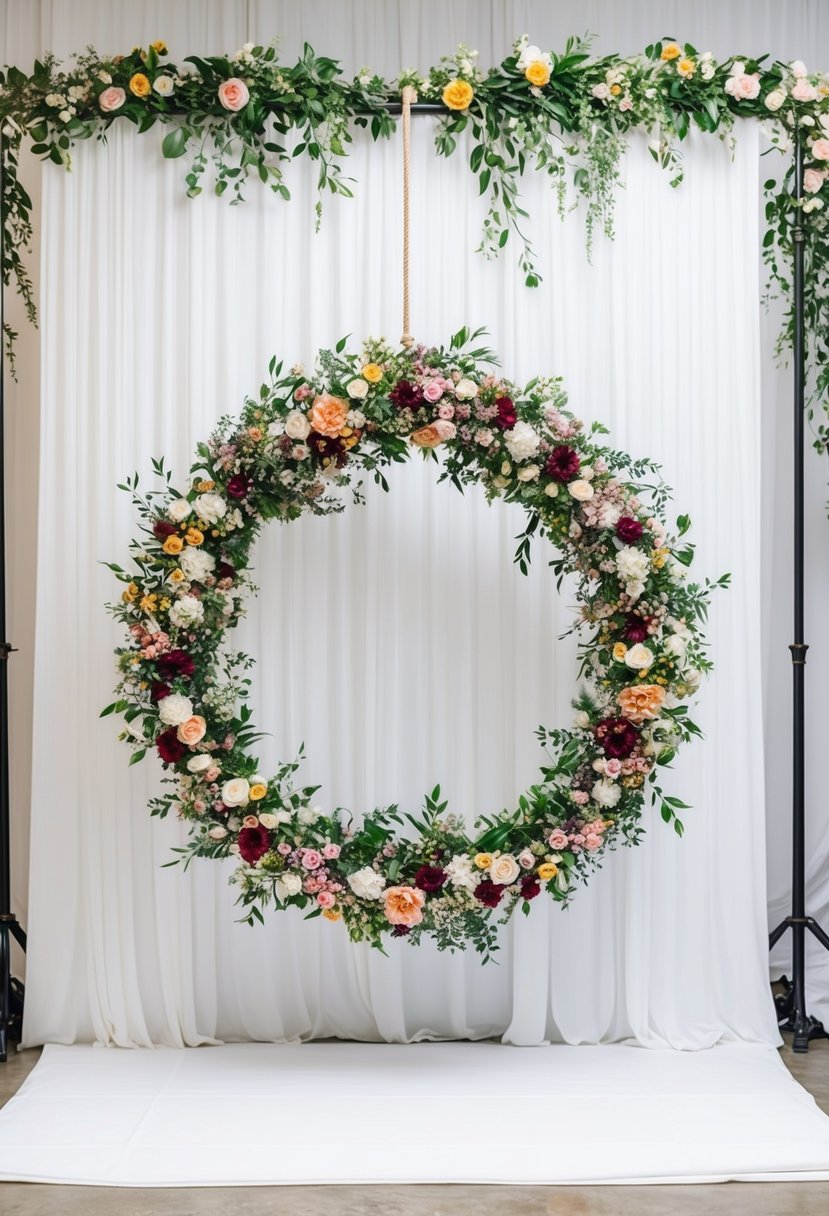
(636, 628)
(328, 450)
(489, 893)
(239, 486)
(170, 747)
(159, 691)
(225, 570)
(175, 663)
(563, 463)
(254, 843)
(618, 737)
(430, 878)
(530, 886)
(400, 930)
(507, 417)
(162, 529)
(629, 529)
(406, 396)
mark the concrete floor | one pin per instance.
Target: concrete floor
(732, 1199)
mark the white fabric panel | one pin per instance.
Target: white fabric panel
(397, 640)
(240, 1115)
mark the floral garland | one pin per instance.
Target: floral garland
(295, 449)
(565, 114)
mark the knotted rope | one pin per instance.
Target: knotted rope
(409, 98)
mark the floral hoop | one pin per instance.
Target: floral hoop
(183, 694)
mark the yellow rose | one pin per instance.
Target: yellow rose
(372, 372)
(257, 791)
(615, 89)
(686, 68)
(660, 556)
(538, 73)
(194, 537)
(619, 652)
(140, 84)
(670, 51)
(547, 870)
(483, 860)
(177, 576)
(173, 544)
(130, 594)
(458, 94)
(159, 46)
(332, 913)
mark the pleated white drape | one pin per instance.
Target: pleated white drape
(396, 640)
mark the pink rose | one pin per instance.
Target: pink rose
(526, 860)
(302, 391)
(744, 87)
(212, 774)
(625, 104)
(803, 91)
(813, 180)
(580, 797)
(193, 730)
(600, 91)
(446, 412)
(326, 900)
(613, 767)
(311, 859)
(233, 94)
(820, 149)
(433, 391)
(283, 849)
(331, 851)
(558, 839)
(112, 99)
(250, 821)
(592, 842)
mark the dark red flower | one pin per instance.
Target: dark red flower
(563, 463)
(170, 747)
(400, 930)
(430, 878)
(225, 570)
(328, 450)
(254, 843)
(405, 395)
(175, 663)
(629, 529)
(239, 486)
(159, 691)
(162, 529)
(489, 893)
(618, 737)
(636, 628)
(507, 417)
(530, 886)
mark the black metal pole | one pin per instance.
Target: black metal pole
(792, 1003)
(10, 991)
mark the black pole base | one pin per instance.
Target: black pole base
(791, 1002)
(11, 989)
(796, 1022)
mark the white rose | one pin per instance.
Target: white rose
(308, 814)
(175, 709)
(528, 473)
(483, 437)
(639, 657)
(287, 885)
(357, 388)
(276, 428)
(522, 441)
(186, 612)
(356, 419)
(198, 764)
(65, 115)
(798, 69)
(581, 490)
(217, 832)
(163, 85)
(601, 92)
(607, 793)
(634, 590)
(267, 820)
(236, 792)
(367, 883)
(179, 510)
(551, 489)
(104, 77)
(582, 719)
(504, 869)
(528, 55)
(677, 646)
(707, 71)
(460, 872)
(632, 564)
(297, 425)
(775, 100)
(465, 390)
(210, 507)
(197, 564)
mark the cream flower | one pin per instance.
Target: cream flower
(465, 390)
(357, 388)
(522, 441)
(607, 793)
(639, 657)
(236, 792)
(504, 869)
(210, 507)
(197, 564)
(581, 490)
(179, 510)
(175, 709)
(297, 425)
(367, 883)
(200, 763)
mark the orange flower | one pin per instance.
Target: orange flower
(433, 434)
(255, 432)
(458, 94)
(204, 487)
(173, 544)
(403, 905)
(686, 68)
(641, 702)
(332, 913)
(670, 51)
(140, 85)
(372, 372)
(194, 537)
(328, 415)
(193, 730)
(538, 73)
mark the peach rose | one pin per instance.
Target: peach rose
(641, 701)
(402, 906)
(820, 149)
(328, 414)
(193, 730)
(745, 86)
(233, 94)
(433, 434)
(804, 91)
(112, 99)
(813, 180)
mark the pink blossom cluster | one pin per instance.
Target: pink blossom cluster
(151, 644)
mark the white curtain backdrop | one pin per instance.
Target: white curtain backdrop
(396, 640)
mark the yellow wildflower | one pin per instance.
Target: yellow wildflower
(670, 51)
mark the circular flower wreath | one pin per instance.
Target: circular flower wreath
(183, 693)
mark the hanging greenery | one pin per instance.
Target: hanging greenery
(247, 115)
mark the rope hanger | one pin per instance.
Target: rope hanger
(409, 98)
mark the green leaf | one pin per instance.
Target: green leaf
(174, 143)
